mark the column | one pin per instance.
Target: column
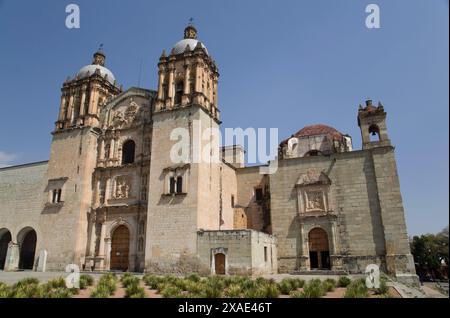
(160, 84)
(107, 253)
(171, 86)
(333, 238)
(62, 107)
(112, 148)
(101, 250)
(216, 96)
(304, 250)
(93, 238)
(70, 109)
(186, 79)
(83, 100)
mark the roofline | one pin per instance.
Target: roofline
(24, 165)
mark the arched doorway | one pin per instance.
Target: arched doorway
(5, 238)
(219, 263)
(120, 247)
(319, 253)
(27, 238)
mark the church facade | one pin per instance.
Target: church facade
(111, 197)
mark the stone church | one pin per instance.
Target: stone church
(111, 198)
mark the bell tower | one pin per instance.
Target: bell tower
(72, 160)
(372, 122)
(187, 76)
(184, 190)
(83, 95)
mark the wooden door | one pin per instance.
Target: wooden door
(120, 247)
(219, 261)
(318, 247)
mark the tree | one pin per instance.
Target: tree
(431, 254)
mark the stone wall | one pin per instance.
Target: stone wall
(247, 252)
(21, 195)
(355, 218)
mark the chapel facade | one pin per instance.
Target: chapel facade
(111, 196)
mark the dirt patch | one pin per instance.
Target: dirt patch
(338, 292)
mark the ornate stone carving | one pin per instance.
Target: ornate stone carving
(312, 177)
(122, 119)
(315, 201)
(123, 186)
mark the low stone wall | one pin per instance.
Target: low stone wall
(246, 252)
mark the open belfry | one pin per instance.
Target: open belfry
(112, 197)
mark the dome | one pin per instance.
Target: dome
(88, 70)
(316, 130)
(180, 46)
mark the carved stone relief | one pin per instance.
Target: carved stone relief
(123, 187)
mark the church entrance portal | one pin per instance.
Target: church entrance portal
(120, 246)
(319, 254)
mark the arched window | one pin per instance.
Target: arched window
(374, 133)
(178, 92)
(128, 149)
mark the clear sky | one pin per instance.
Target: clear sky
(284, 64)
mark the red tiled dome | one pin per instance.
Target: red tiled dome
(315, 130)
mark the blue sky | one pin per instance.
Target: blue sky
(283, 64)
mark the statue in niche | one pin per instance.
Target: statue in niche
(107, 150)
(122, 188)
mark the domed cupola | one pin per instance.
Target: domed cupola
(315, 140)
(98, 65)
(189, 42)
(188, 76)
(84, 95)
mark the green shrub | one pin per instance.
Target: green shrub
(288, 284)
(344, 281)
(59, 282)
(26, 291)
(101, 291)
(299, 283)
(86, 281)
(106, 286)
(329, 285)
(233, 291)
(357, 289)
(60, 292)
(383, 289)
(194, 288)
(285, 286)
(194, 277)
(128, 281)
(296, 294)
(272, 291)
(27, 281)
(134, 291)
(152, 281)
(212, 291)
(256, 292)
(314, 289)
(5, 290)
(171, 292)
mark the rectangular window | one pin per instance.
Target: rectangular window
(179, 185)
(56, 196)
(259, 194)
(265, 253)
(172, 185)
(232, 201)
